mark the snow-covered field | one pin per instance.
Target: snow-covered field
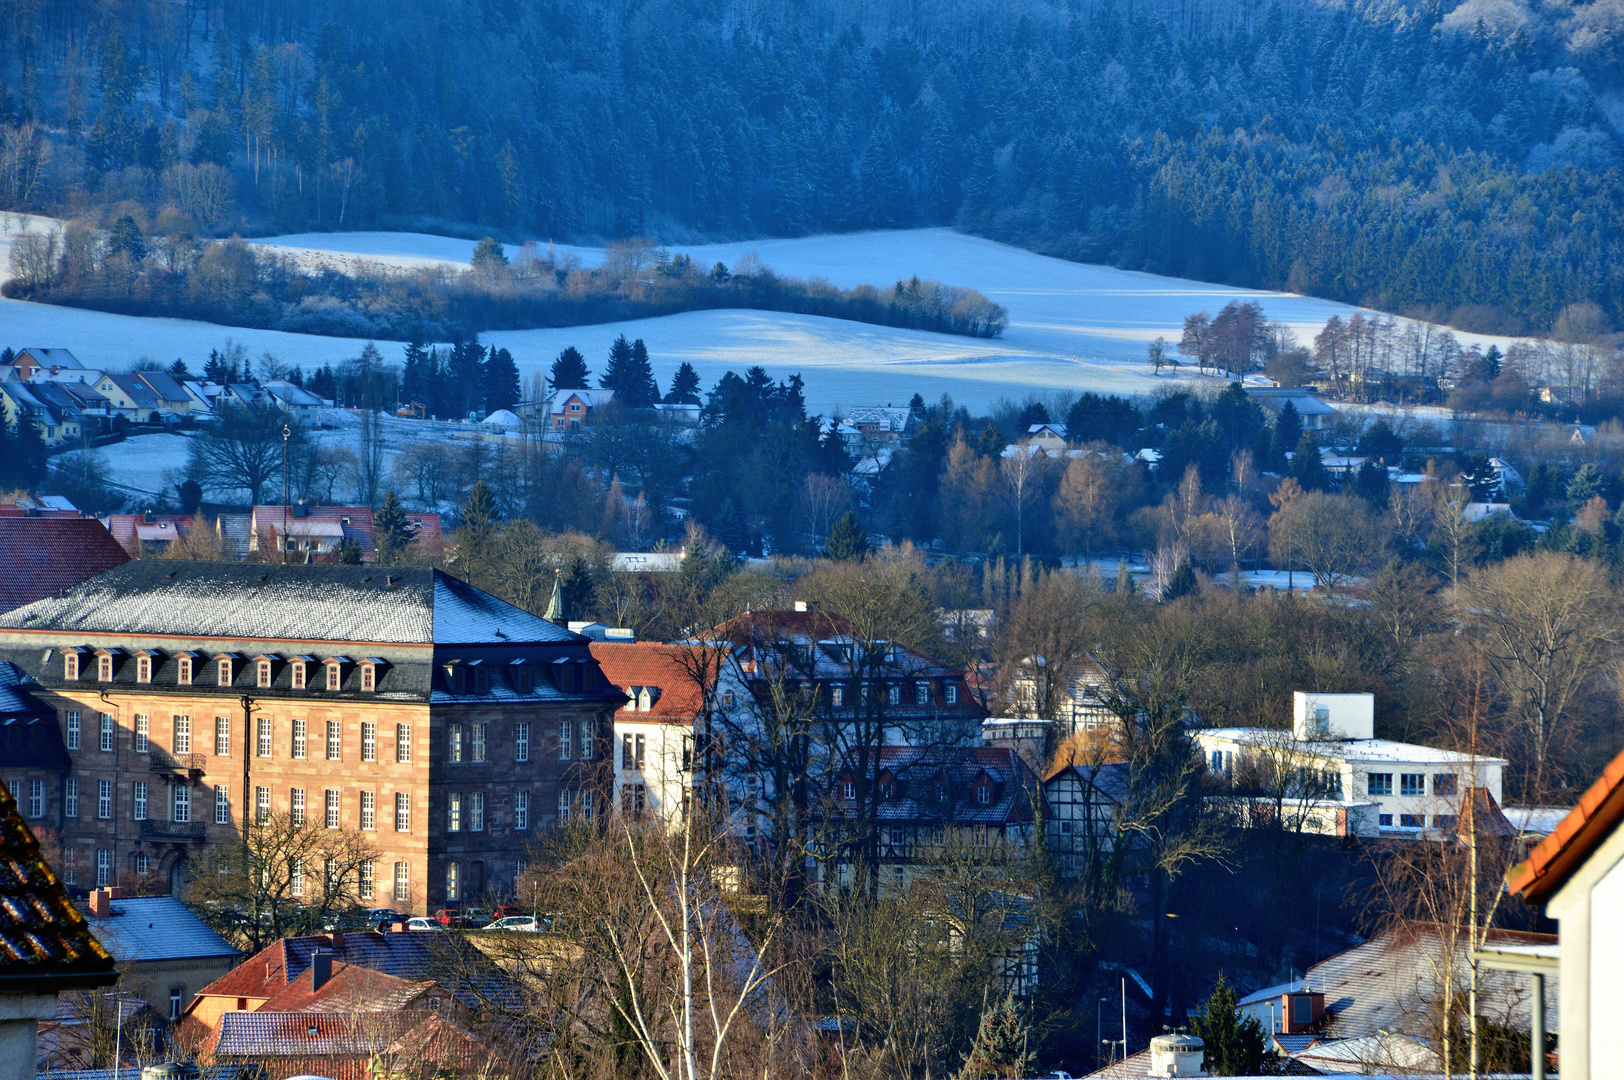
(1073, 327)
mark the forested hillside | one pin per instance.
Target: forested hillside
(1461, 164)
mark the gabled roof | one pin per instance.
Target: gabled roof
(350, 988)
(646, 664)
(157, 928)
(165, 385)
(45, 944)
(29, 735)
(1585, 829)
(265, 600)
(41, 555)
(49, 357)
(136, 389)
(592, 399)
(938, 785)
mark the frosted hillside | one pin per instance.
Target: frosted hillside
(1072, 327)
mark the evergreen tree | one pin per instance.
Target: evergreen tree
(465, 382)
(1306, 466)
(501, 381)
(392, 530)
(847, 540)
(684, 386)
(569, 371)
(1585, 485)
(349, 553)
(488, 254)
(190, 493)
(417, 373)
(629, 374)
(1234, 1046)
(126, 240)
(215, 369)
(1182, 583)
(1370, 484)
(1002, 1042)
(28, 452)
(1288, 428)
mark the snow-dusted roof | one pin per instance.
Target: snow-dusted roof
(592, 399)
(883, 417)
(258, 600)
(1352, 750)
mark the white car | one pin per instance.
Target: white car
(422, 922)
(517, 922)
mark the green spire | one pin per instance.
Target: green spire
(556, 612)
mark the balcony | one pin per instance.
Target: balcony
(175, 766)
(190, 832)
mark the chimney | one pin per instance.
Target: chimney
(101, 904)
(321, 969)
(398, 926)
(146, 517)
(336, 939)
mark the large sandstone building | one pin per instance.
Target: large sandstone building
(148, 708)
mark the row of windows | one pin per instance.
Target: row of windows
(226, 668)
(1412, 784)
(464, 742)
(893, 694)
(1419, 821)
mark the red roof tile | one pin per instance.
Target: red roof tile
(647, 664)
(39, 555)
(1576, 836)
(350, 988)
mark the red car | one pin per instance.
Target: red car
(503, 911)
(451, 918)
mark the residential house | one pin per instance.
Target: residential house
(1332, 761)
(1040, 440)
(1375, 1007)
(80, 411)
(1079, 704)
(165, 953)
(19, 404)
(367, 1044)
(1578, 874)
(571, 410)
(315, 533)
(654, 730)
(49, 946)
(442, 722)
(647, 562)
(129, 396)
(1315, 413)
(881, 425)
(31, 361)
(148, 534)
(1081, 803)
(966, 624)
(292, 399)
(43, 554)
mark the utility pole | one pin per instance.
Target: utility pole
(1124, 1016)
(287, 435)
(1471, 825)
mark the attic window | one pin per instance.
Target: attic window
(70, 665)
(335, 676)
(983, 794)
(297, 674)
(143, 669)
(183, 671)
(224, 673)
(104, 668)
(369, 676)
(264, 673)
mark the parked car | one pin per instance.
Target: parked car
(503, 911)
(383, 914)
(516, 922)
(451, 918)
(422, 922)
(476, 918)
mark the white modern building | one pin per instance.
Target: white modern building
(1331, 764)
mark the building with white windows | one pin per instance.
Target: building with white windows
(1330, 766)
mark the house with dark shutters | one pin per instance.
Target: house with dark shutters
(175, 697)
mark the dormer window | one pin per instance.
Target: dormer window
(296, 674)
(104, 668)
(519, 675)
(335, 672)
(482, 681)
(369, 676)
(70, 665)
(143, 669)
(950, 693)
(983, 794)
(223, 671)
(183, 671)
(262, 674)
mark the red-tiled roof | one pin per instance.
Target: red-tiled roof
(669, 668)
(350, 988)
(1549, 865)
(39, 555)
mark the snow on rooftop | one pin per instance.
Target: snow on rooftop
(1347, 749)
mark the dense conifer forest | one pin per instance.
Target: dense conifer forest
(1460, 163)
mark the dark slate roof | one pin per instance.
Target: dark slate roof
(29, 734)
(45, 944)
(39, 555)
(157, 928)
(264, 600)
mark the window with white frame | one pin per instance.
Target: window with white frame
(369, 741)
(403, 883)
(104, 867)
(262, 736)
(264, 679)
(296, 876)
(143, 732)
(335, 740)
(563, 807)
(107, 733)
(363, 881)
(73, 729)
(454, 743)
(564, 730)
(476, 812)
(296, 806)
(300, 738)
(521, 741)
(70, 863)
(586, 806)
(138, 801)
(893, 694)
(222, 804)
(950, 693)
(70, 798)
(403, 743)
(180, 803)
(182, 734)
(453, 881)
(588, 739)
(521, 810)
(478, 747)
(222, 736)
(262, 805)
(403, 812)
(36, 798)
(369, 810)
(331, 819)
(104, 799)
(837, 696)
(369, 677)
(453, 812)
(921, 693)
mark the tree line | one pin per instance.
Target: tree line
(1421, 161)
